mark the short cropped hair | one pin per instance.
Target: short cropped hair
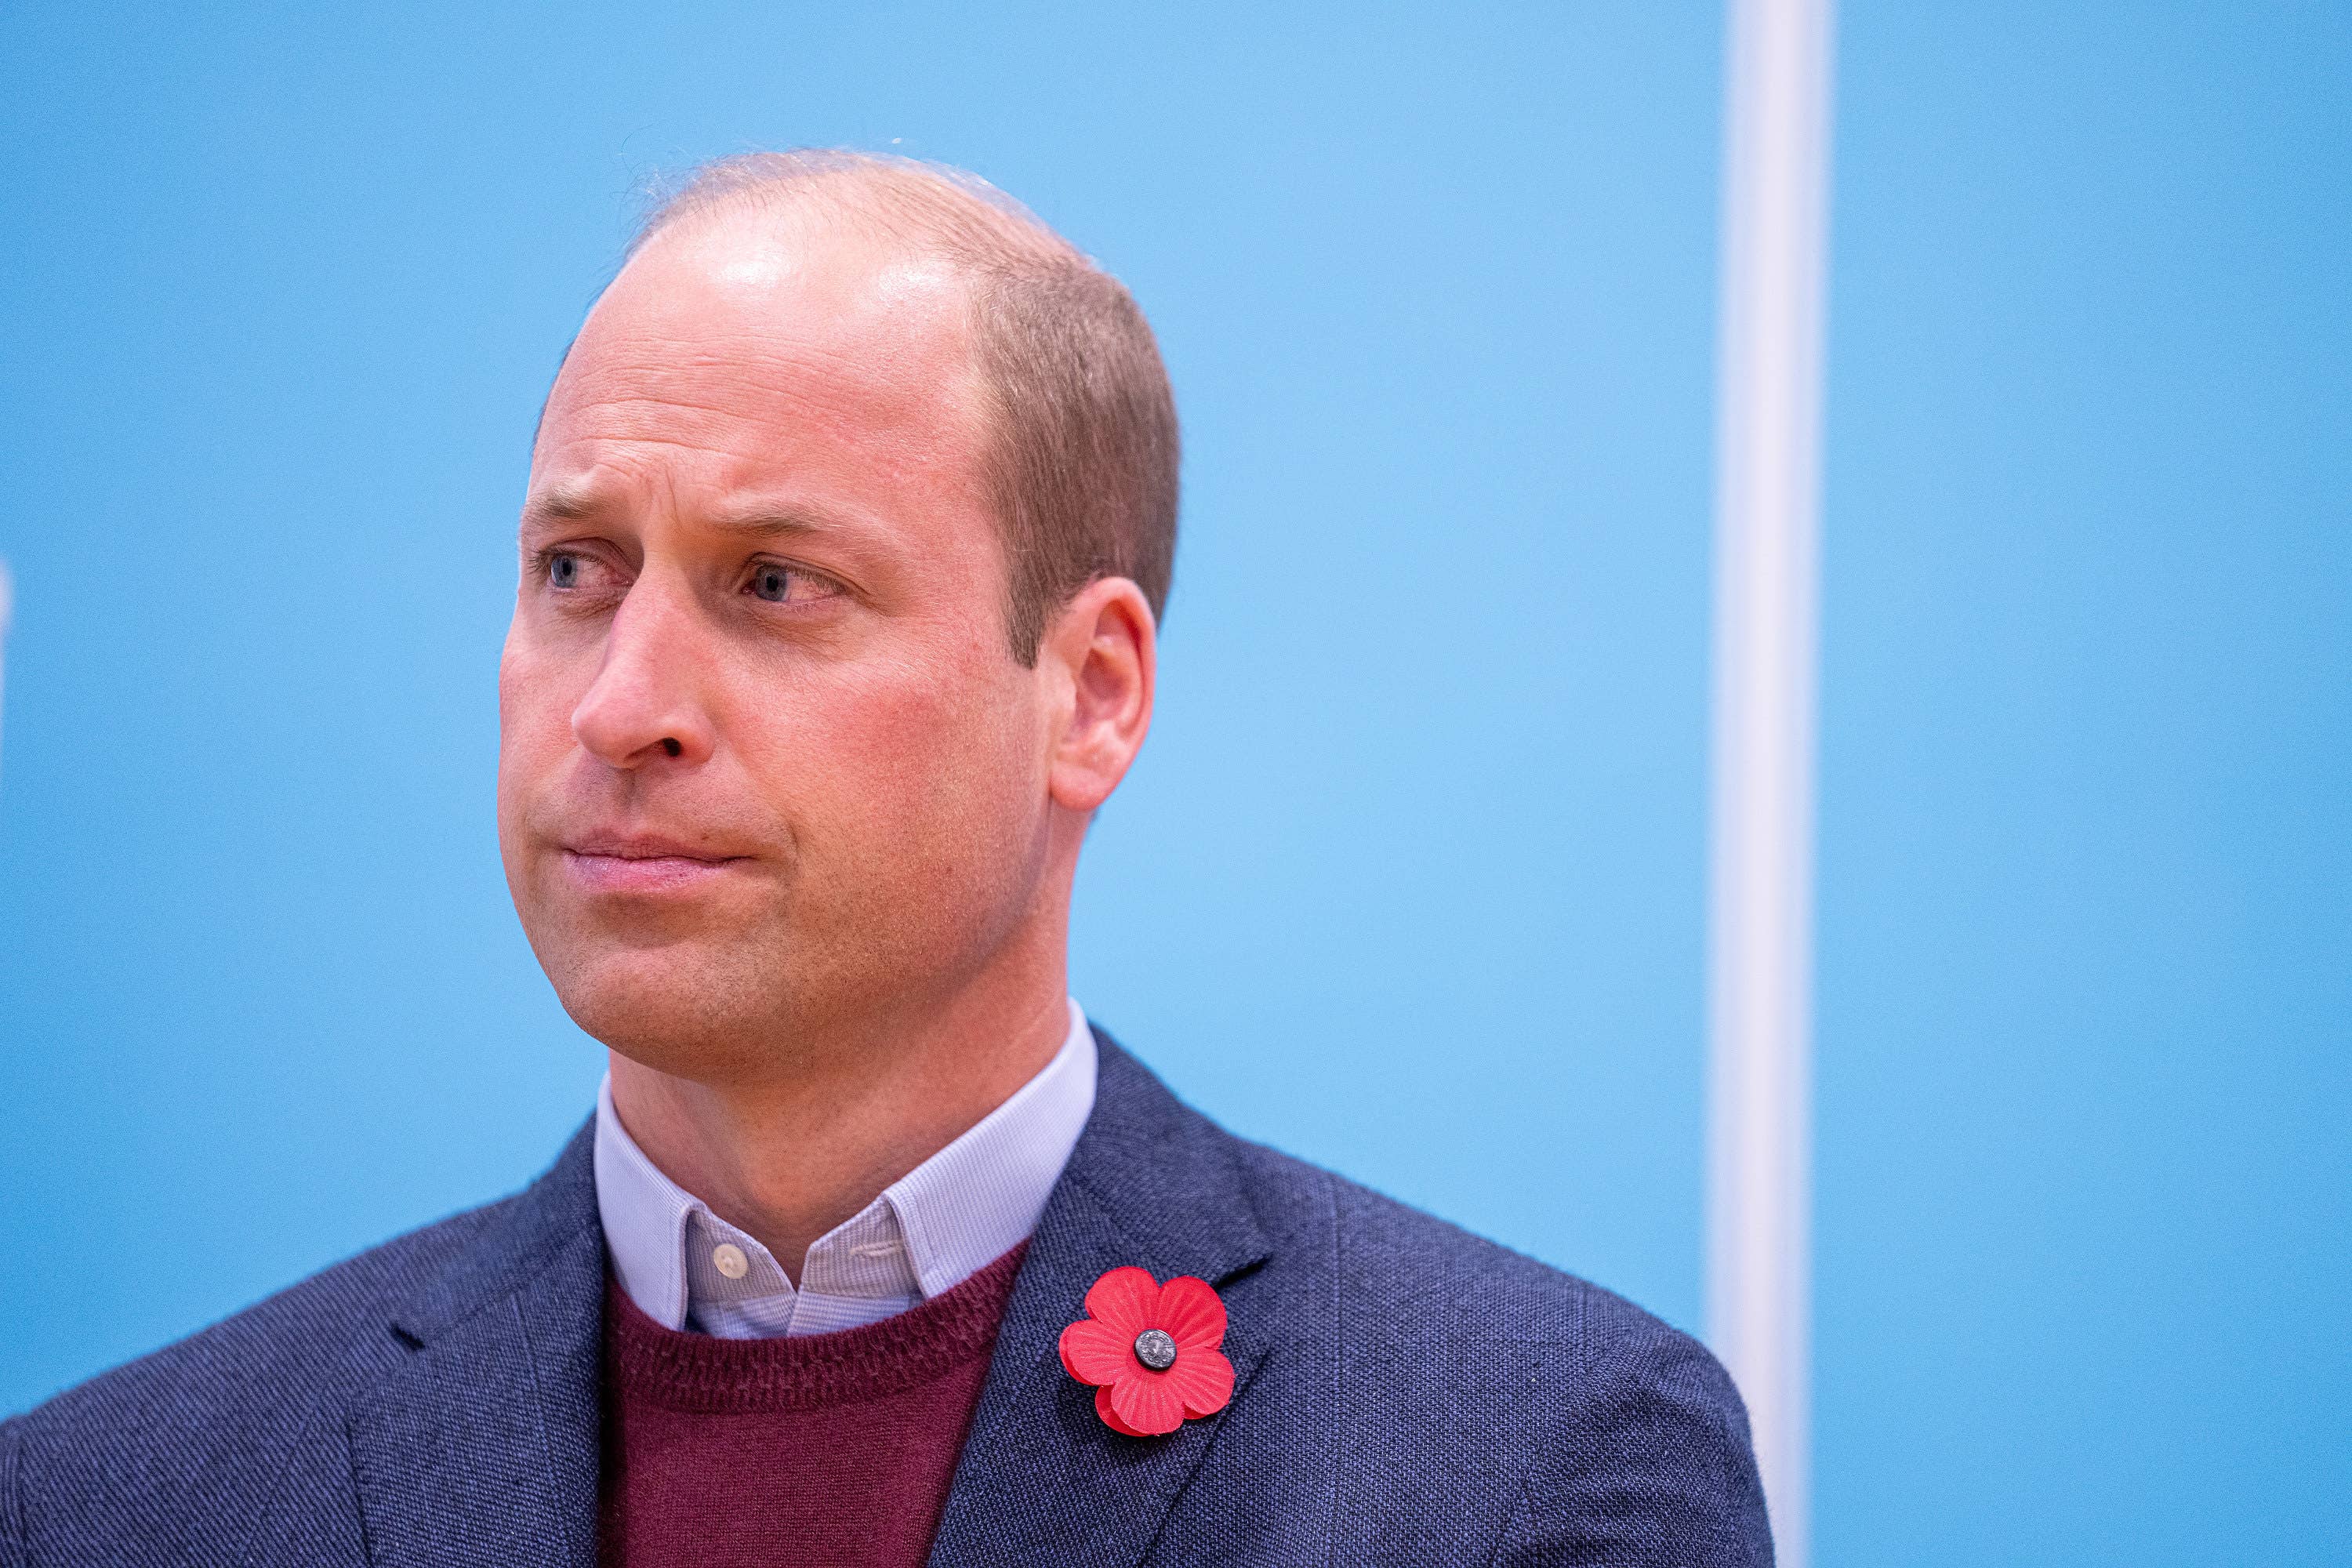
(1082, 465)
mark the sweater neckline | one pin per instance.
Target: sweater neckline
(704, 1373)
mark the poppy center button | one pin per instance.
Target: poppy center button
(1156, 1348)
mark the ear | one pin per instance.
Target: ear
(1102, 651)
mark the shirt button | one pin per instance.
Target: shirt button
(729, 1259)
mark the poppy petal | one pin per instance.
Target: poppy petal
(1092, 1353)
(1122, 1300)
(1203, 1380)
(1147, 1404)
(1191, 1313)
(1110, 1416)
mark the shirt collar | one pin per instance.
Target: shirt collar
(944, 1221)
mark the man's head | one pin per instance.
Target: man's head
(850, 515)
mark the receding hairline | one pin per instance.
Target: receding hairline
(906, 203)
(917, 207)
(925, 208)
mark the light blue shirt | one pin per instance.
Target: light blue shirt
(929, 1230)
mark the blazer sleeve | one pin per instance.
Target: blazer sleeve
(1652, 1466)
(11, 1504)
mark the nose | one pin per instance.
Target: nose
(643, 708)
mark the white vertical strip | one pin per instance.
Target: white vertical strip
(1775, 175)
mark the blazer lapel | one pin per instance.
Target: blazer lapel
(1042, 1479)
(483, 1447)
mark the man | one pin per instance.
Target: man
(850, 518)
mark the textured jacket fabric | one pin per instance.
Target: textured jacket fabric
(1405, 1394)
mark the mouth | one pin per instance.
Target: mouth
(642, 864)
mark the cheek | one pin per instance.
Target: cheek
(534, 722)
(530, 680)
(910, 770)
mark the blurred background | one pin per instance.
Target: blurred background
(1411, 877)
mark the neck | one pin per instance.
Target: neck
(789, 1157)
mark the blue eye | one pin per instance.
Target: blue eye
(773, 584)
(563, 572)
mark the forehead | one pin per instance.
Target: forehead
(746, 351)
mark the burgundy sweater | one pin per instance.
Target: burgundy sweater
(834, 1449)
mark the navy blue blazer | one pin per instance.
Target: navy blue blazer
(1406, 1393)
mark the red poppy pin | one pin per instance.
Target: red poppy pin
(1151, 1351)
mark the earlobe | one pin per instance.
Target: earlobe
(1106, 641)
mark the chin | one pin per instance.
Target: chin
(679, 1009)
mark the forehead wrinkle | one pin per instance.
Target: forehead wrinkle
(735, 450)
(825, 388)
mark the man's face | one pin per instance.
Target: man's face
(767, 764)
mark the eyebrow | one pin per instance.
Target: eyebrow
(564, 503)
(765, 522)
(586, 503)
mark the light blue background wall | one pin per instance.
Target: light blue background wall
(1411, 879)
(2086, 922)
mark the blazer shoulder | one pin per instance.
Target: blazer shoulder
(1398, 1263)
(1398, 1272)
(279, 1343)
(1593, 1402)
(199, 1427)
(1409, 1265)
